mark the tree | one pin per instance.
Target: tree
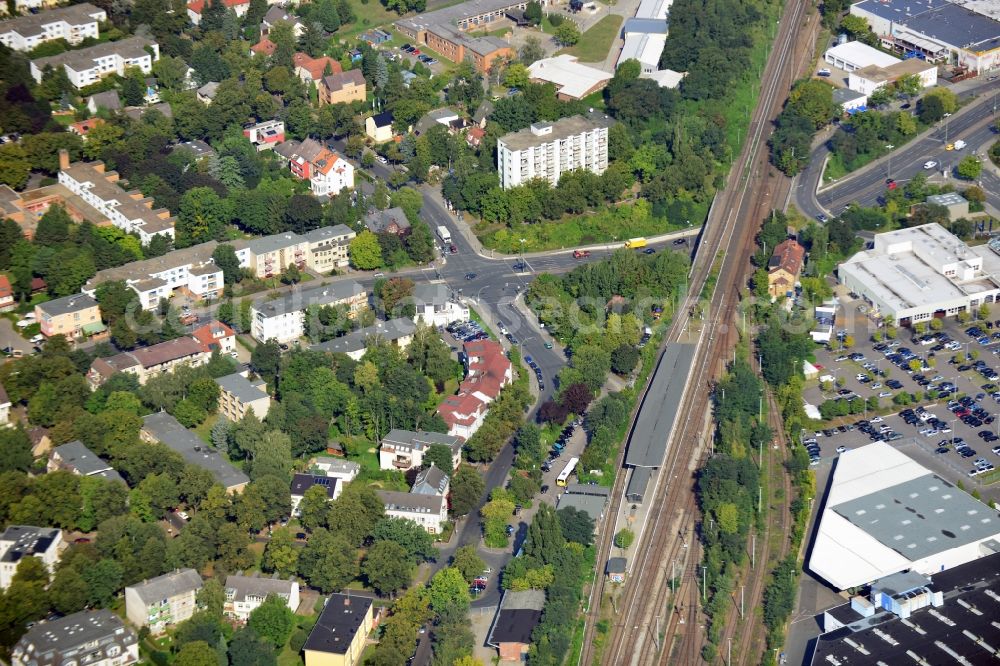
(224, 256)
(516, 76)
(468, 562)
(576, 397)
(624, 358)
(15, 450)
(388, 567)
(248, 648)
(314, 507)
(328, 562)
(531, 50)
(624, 538)
(15, 167)
(931, 109)
(969, 168)
(415, 540)
(567, 33)
(466, 490)
(281, 554)
(528, 446)
(203, 216)
(355, 513)
(265, 359)
(197, 653)
(440, 455)
(365, 251)
(576, 525)
(273, 620)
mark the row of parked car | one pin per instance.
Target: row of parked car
(538, 371)
(467, 331)
(422, 57)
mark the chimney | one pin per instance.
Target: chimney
(63, 159)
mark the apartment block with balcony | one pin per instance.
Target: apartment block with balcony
(271, 255)
(147, 362)
(328, 247)
(87, 66)
(405, 449)
(163, 601)
(244, 594)
(73, 23)
(238, 396)
(546, 150)
(284, 319)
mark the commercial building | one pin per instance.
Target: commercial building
(238, 396)
(404, 449)
(328, 247)
(75, 458)
(616, 569)
(911, 275)
(851, 56)
(94, 638)
(591, 500)
(342, 87)
(956, 205)
(446, 31)
(284, 319)
(849, 100)
(397, 332)
(943, 618)
(517, 616)
(389, 221)
(73, 23)
(87, 66)
(244, 594)
(163, 601)
(190, 270)
(885, 514)
(195, 9)
(573, 80)
(339, 635)
(165, 429)
(548, 149)
(869, 79)
(428, 511)
(303, 482)
(145, 363)
(784, 267)
(645, 49)
(71, 316)
(437, 305)
(129, 211)
(964, 33)
(20, 541)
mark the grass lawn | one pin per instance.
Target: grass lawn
(205, 429)
(370, 14)
(596, 42)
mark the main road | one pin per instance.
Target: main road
(972, 124)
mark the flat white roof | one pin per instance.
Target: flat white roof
(572, 78)
(860, 55)
(658, 9)
(665, 78)
(645, 48)
(885, 513)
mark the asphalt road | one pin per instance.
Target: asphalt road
(971, 124)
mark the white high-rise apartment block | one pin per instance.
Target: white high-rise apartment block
(74, 24)
(90, 65)
(547, 150)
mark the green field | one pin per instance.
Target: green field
(596, 42)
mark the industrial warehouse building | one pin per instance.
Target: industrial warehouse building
(912, 275)
(965, 32)
(886, 514)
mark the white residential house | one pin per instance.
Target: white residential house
(328, 247)
(163, 601)
(335, 468)
(245, 593)
(20, 541)
(87, 66)
(437, 305)
(428, 511)
(284, 319)
(403, 449)
(331, 174)
(99, 635)
(73, 23)
(397, 332)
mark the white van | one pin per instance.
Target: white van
(960, 144)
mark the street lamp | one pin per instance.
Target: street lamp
(890, 148)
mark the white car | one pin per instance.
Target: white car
(841, 449)
(885, 394)
(183, 515)
(930, 164)
(876, 419)
(960, 144)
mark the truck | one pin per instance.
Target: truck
(634, 243)
(444, 233)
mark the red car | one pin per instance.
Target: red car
(581, 254)
(890, 183)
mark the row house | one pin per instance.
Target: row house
(73, 24)
(148, 362)
(488, 370)
(265, 135)
(129, 211)
(163, 601)
(284, 319)
(87, 66)
(163, 428)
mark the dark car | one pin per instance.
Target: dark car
(543, 489)
(470, 276)
(680, 241)
(649, 250)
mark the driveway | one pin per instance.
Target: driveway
(10, 338)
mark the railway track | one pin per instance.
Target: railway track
(663, 544)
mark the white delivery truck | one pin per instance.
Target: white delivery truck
(444, 233)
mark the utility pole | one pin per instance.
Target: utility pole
(704, 589)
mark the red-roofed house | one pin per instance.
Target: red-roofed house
(7, 301)
(216, 335)
(488, 370)
(784, 267)
(475, 136)
(330, 174)
(194, 9)
(463, 413)
(264, 47)
(83, 127)
(311, 70)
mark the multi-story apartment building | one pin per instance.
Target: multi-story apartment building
(94, 638)
(404, 449)
(70, 316)
(428, 511)
(129, 211)
(342, 88)
(190, 270)
(244, 594)
(238, 396)
(328, 247)
(284, 319)
(331, 174)
(163, 601)
(396, 332)
(73, 23)
(339, 635)
(90, 65)
(148, 362)
(20, 541)
(303, 482)
(271, 255)
(548, 149)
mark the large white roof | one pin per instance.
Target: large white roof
(644, 48)
(886, 513)
(860, 55)
(571, 77)
(658, 9)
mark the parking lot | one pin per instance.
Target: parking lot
(956, 363)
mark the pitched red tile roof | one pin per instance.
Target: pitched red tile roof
(788, 255)
(198, 5)
(5, 289)
(316, 66)
(210, 333)
(265, 46)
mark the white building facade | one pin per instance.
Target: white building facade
(547, 150)
(92, 64)
(284, 319)
(74, 24)
(20, 541)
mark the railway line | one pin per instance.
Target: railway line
(670, 537)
